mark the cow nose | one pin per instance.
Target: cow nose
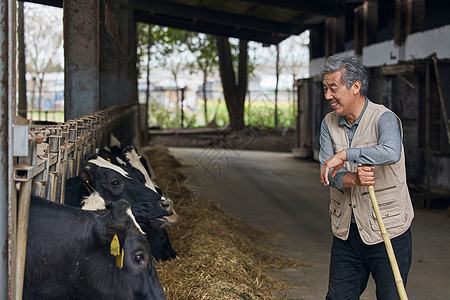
(167, 204)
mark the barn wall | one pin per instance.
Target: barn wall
(100, 61)
(381, 53)
(400, 61)
(422, 44)
(404, 88)
(117, 67)
(417, 46)
(117, 55)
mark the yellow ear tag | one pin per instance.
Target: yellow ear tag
(115, 250)
(108, 159)
(115, 246)
(119, 260)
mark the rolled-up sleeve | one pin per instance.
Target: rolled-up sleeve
(327, 151)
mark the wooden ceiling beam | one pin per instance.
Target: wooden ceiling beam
(55, 3)
(317, 7)
(229, 31)
(195, 14)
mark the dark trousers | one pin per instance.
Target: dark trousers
(352, 261)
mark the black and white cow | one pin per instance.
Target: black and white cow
(131, 155)
(140, 169)
(158, 237)
(132, 162)
(152, 211)
(69, 254)
(114, 183)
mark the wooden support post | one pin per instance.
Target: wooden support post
(427, 136)
(441, 96)
(334, 35)
(358, 25)
(365, 25)
(370, 22)
(409, 18)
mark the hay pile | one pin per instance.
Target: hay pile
(219, 256)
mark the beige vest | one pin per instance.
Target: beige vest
(391, 189)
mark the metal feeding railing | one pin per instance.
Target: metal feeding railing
(44, 156)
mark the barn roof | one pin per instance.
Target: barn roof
(266, 21)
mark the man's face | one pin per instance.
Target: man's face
(336, 93)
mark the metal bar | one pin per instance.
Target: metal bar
(27, 172)
(8, 207)
(53, 153)
(39, 188)
(52, 179)
(63, 169)
(22, 228)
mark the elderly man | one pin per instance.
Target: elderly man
(361, 145)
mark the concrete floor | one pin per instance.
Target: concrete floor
(276, 192)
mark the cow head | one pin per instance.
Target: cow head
(134, 257)
(139, 168)
(113, 183)
(135, 165)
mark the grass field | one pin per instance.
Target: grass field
(257, 113)
(260, 114)
(46, 115)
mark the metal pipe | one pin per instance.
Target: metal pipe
(52, 179)
(45, 168)
(22, 228)
(8, 207)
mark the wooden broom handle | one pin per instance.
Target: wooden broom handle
(389, 249)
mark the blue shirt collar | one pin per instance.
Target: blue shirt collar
(343, 121)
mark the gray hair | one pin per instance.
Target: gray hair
(352, 71)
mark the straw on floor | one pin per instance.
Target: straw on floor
(220, 257)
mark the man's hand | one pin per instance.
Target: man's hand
(365, 176)
(335, 162)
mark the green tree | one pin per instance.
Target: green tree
(234, 90)
(162, 47)
(169, 47)
(43, 42)
(171, 53)
(203, 46)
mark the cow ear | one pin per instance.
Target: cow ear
(104, 235)
(86, 175)
(114, 223)
(119, 210)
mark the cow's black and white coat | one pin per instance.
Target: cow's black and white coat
(158, 237)
(121, 181)
(68, 254)
(114, 183)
